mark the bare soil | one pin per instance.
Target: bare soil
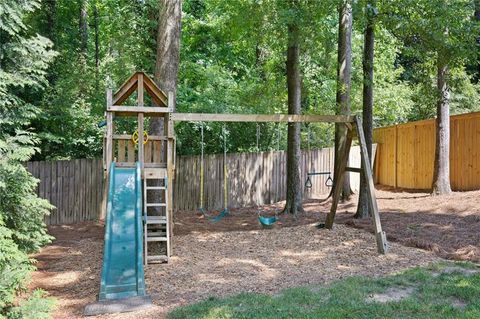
(237, 255)
(392, 294)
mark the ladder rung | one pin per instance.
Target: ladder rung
(156, 219)
(155, 187)
(157, 258)
(156, 233)
(156, 238)
(156, 205)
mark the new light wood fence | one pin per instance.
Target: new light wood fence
(406, 153)
(76, 187)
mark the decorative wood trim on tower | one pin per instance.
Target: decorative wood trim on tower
(140, 82)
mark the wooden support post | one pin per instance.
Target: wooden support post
(109, 133)
(170, 152)
(140, 90)
(141, 147)
(344, 151)
(108, 154)
(380, 236)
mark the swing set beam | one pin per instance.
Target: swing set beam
(286, 118)
(353, 125)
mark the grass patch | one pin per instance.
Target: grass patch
(445, 290)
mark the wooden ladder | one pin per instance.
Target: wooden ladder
(156, 224)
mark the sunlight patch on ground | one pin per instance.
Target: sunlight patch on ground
(60, 279)
(255, 265)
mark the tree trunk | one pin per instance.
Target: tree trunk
(294, 191)
(50, 7)
(168, 53)
(344, 68)
(51, 12)
(83, 27)
(363, 209)
(441, 174)
(97, 46)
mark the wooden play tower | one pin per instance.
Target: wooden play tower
(154, 153)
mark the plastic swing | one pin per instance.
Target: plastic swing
(224, 213)
(266, 222)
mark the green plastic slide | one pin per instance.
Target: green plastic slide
(122, 270)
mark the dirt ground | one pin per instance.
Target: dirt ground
(237, 255)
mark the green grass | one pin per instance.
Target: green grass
(435, 294)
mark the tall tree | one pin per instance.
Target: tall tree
(368, 59)
(294, 191)
(83, 27)
(438, 34)
(441, 171)
(344, 76)
(97, 40)
(97, 46)
(51, 16)
(168, 52)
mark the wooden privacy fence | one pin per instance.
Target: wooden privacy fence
(252, 178)
(406, 153)
(76, 187)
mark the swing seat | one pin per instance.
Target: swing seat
(267, 221)
(220, 216)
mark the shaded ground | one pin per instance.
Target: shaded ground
(218, 264)
(448, 225)
(236, 255)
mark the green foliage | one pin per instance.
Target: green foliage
(233, 61)
(433, 293)
(24, 59)
(435, 32)
(14, 268)
(21, 209)
(38, 306)
(22, 229)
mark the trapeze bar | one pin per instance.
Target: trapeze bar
(318, 173)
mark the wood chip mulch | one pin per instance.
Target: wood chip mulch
(218, 264)
(237, 255)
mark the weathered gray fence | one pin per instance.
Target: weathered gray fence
(252, 178)
(76, 187)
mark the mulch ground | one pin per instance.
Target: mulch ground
(237, 255)
(447, 225)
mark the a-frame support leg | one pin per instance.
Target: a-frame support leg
(380, 236)
(339, 174)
